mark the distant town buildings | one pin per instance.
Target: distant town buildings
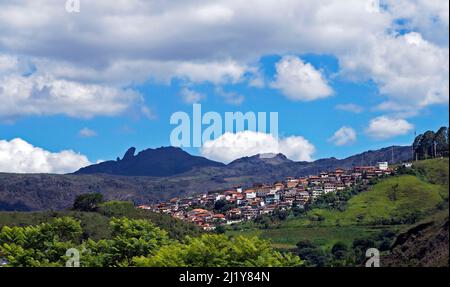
(244, 204)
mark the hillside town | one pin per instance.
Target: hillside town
(244, 204)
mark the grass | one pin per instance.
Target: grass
(287, 238)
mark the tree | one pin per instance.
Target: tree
(339, 251)
(88, 202)
(441, 140)
(212, 250)
(223, 205)
(41, 245)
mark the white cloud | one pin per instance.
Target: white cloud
(353, 108)
(197, 41)
(385, 127)
(429, 17)
(190, 96)
(18, 156)
(231, 146)
(409, 71)
(343, 136)
(300, 81)
(87, 133)
(45, 95)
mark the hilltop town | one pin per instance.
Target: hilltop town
(243, 204)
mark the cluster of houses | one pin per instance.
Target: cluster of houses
(249, 203)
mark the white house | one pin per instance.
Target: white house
(384, 165)
(250, 194)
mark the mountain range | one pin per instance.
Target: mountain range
(159, 174)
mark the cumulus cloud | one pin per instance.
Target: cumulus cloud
(385, 127)
(343, 136)
(44, 95)
(300, 81)
(18, 156)
(430, 18)
(352, 108)
(231, 146)
(198, 41)
(87, 133)
(410, 71)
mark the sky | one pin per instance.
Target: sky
(82, 84)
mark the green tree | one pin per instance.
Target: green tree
(41, 245)
(88, 202)
(441, 140)
(212, 250)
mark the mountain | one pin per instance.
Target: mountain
(164, 161)
(159, 174)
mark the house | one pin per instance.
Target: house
(340, 186)
(329, 187)
(407, 164)
(248, 212)
(303, 181)
(315, 180)
(250, 194)
(234, 214)
(291, 182)
(279, 186)
(272, 197)
(262, 192)
(317, 192)
(324, 174)
(302, 196)
(383, 165)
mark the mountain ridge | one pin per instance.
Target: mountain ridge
(30, 192)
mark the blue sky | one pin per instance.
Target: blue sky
(381, 81)
(316, 121)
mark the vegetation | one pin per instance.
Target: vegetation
(134, 242)
(431, 144)
(88, 202)
(96, 224)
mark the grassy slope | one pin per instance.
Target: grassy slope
(395, 197)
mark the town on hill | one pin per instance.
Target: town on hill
(230, 206)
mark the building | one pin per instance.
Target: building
(384, 165)
(250, 194)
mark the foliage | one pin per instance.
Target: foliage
(40, 245)
(88, 202)
(130, 238)
(223, 206)
(212, 250)
(431, 144)
(133, 242)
